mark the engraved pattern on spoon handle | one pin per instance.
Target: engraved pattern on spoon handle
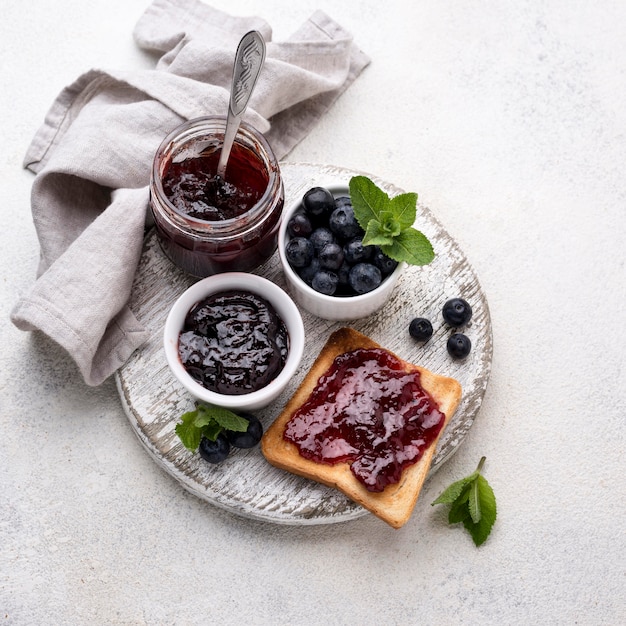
(249, 60)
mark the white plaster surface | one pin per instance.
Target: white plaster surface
(508, 118)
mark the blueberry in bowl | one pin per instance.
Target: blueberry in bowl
(328, 269)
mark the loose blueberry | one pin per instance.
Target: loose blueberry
(325, 282)
(320, 237)
(459, 346)
(318, 202)
(364, 277)
(308, 272)
(421, 329)
(299, 225)
(383, 262)
(331, 256)
(299, 251)
(343, 223)
(457, 312)
(250, 437)
(214, 451)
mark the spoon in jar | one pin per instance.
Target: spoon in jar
(249, 60)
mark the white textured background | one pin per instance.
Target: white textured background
(509, 119)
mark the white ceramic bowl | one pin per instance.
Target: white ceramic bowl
(285, 308)
(336, 308)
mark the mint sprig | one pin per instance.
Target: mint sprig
(207, 420)
(388, 222)
(473, 503)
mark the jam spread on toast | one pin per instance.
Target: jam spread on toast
(367, 410)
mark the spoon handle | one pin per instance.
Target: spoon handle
(248, 63)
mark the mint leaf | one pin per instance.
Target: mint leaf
(391, 226)
(375, 235)
(188, 432)
(207, 421)
(404, 208)
(203, 416)
(388, 222)
(411, 246)
(459, 511)
(480, 529)
(210, 431)
(368, 200)
(473, 503)
(453, 492)
(226, 418)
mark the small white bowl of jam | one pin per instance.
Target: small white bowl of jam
(234, 340)
(328, 271)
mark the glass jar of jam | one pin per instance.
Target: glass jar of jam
(205, 224)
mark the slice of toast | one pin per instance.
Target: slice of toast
(395, 503)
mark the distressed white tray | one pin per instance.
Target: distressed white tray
(245, 483)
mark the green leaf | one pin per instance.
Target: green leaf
(480, 530)
(459, 511)
(449, 495)
(388, 222)
(207, 421)
(375, 235)
(411, 246)
(223, 417)
(474, 502)
(210, 430)
(368, 200)
(404, 209)
(187, 431)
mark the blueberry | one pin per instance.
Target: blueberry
(343, 273)
(459, 346)
(318, 202)
(383, 262)
(457, 312)
(299, 251)
(299, 225)
(325, 282)
(343, 223)
(331, 256)
(364, 277)
(250, 437)
(355, 252)
(421, 329)
(214, 451)
(320, 237)
(307, 272)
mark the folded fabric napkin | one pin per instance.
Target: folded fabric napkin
(92, 159)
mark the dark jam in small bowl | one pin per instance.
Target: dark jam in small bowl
(206, 225)
(233, 342)
(246, 341)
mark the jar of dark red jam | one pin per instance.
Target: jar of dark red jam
(205, 225)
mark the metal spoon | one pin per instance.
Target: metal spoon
(248, 63)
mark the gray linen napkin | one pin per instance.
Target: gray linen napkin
(93, 154)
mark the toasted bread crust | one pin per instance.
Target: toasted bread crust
(395, 503)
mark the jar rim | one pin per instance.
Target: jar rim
(214, 126)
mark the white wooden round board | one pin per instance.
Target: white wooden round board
(246, 484)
